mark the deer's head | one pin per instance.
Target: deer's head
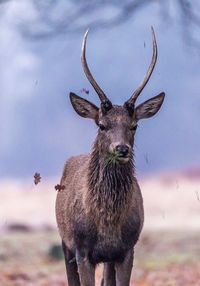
(117, 124)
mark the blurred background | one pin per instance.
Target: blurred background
(40, 47)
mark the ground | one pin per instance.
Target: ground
(168, 253)
(161, 259)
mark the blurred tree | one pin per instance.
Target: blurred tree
(4, 1)
(54, 17)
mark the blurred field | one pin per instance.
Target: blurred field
(168, 253)
(161, 258)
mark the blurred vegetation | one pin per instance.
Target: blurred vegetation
(162, 258)
(56, 252)
(52, 18)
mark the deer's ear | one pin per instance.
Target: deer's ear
(150, 107)
(84, 107)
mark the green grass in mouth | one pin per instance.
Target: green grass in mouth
(113, 157)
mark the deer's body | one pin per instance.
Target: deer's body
(106, 225)
(100, 209)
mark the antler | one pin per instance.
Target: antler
(104, 100)
(137, 92)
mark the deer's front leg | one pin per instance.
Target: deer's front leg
(71, 267)
(123, 270)
(108, 275)
(85, 269)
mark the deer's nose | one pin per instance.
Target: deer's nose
(122, 150)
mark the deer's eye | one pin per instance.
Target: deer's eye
(101, 126)
(134, 127)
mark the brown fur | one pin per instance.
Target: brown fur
(101, 201)
(99, 210)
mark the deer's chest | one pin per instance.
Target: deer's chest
(108, 243)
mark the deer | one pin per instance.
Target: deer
(99, 210)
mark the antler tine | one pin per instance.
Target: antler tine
(88, 74)
(149, 72)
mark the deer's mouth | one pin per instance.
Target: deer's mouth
(124, 159)
(116, 157)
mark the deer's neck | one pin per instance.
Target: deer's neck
(110, 184)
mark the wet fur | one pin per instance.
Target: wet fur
(100, 211)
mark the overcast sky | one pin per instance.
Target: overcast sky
(39, 129)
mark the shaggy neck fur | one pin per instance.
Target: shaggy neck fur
(110, 184)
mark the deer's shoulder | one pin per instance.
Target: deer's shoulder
(75, 161)
(75, 166)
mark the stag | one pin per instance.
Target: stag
(99, 210)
